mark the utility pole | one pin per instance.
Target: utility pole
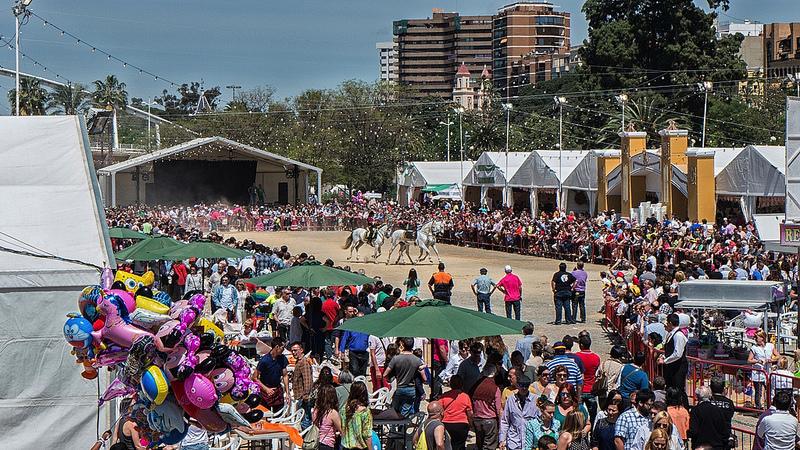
(507, 107)
(460, 112)
(622, 99)
(233, 89)
(705, 87)
(560, 102)
(448, 123)
(20, 9)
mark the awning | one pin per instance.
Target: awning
(728, 294)
(437, 187)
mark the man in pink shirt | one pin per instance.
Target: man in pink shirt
(511, 286)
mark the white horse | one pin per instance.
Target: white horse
(358, 237)
(425, 239)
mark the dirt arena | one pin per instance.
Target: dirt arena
(463, 264)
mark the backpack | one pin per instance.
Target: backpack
(422, 442)
(311, 439)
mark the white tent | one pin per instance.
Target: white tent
(439, 176)
(647, 164)
(52, 208)
(492, 169)
(753, 172)
(573, 170)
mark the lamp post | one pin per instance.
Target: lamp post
(448, 123)
(507, 107)
(460, 112)
(560, 102)
(20, 9)
(233, 88)
(796, 80)
(622, 99)
(705, 87)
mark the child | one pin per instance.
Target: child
(296, 327)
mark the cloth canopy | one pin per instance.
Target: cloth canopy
(648, 163)
(311, 275)
(574, 169)
(490, 169)
(728, 294)
(755, 171)
(436, 187)
(51, 207)
(428, 173)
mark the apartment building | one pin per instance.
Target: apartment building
(387, 61)
(782, 49)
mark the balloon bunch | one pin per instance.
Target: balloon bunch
(164, 355)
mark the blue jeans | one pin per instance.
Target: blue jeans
(562, 300)
(195, 447)
(484, 302)
(579, 303)
(403, 400)
(306, 406)
(515, 305)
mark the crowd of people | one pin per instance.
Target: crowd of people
(545, 393)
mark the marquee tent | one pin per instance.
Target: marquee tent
(440, 177)
(53, 241)
(492, 169)
(227, 169)
(573, 170)
(753, 172)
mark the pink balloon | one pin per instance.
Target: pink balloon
(200, 391)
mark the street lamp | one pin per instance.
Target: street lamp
(460, 112)
(705, 87)
(560, 102)
(507, 107)
(149, 115)
(448, 123)
(20, 9)
(233, 88)
(622, 99)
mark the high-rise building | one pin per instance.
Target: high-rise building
(525, 28)
(782, 49)
(387, 57)
(746, 28)
(430, 51)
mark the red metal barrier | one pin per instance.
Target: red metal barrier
(744, 438)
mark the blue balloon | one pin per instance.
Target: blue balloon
(78, 331)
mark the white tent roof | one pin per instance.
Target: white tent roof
(424, 173)
(217, 143)
(755, 171)
(51, 207)
(643, 163)
(489, 169)
(578, 170)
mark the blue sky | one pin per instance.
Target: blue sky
(290, 45)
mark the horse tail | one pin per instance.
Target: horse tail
(348, 242)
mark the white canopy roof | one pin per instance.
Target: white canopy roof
(425, 173)
(214, 146)
(728, 294)
(51, 209)
(647, 162)
(754, 171)
(575, 169)
(489, 170)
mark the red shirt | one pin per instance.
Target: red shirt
(455, 406)
(590, 364)
(180, 272)
(331, 310)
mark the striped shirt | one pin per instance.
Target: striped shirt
(575, 375)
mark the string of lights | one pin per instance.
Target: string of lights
(9, 44)
(108, 55)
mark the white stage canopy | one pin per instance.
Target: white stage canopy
(52, 208)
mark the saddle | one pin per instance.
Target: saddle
(411, 234)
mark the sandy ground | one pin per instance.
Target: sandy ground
(463, 264)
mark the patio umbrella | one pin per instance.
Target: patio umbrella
(149, 249)
(204, 250)
(126, 233)
(433, 319)
(311, 275)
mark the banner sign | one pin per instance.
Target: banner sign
(790, 234)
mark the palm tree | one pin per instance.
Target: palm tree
(70, 99)
(32, 98)
(110, 93)
(646, 114)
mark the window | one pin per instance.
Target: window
(549, 20)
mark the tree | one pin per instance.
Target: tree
(70, 99)
(32, 98)
(110, 92)
(646, 113)
(189, 97)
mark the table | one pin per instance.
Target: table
(259, 440)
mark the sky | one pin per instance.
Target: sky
(289, 45)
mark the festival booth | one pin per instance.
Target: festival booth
(754, 176)
(54, 242)
(437, 179)
(207, 170)
(489, 181)
(544, 171)
(646, 166)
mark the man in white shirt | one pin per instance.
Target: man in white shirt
(676, 366)
(780, 429)
(282, 312)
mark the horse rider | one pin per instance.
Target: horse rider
(371, 230)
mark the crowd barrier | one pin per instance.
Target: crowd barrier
(738, 378)
(744, 438)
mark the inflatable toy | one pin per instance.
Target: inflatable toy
(151, 305)
(87, 302)
(117, 327)
(154, 385)
(200, 391)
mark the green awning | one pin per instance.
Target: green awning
(437, 187)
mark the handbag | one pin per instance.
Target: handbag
(600, 386)
(311, 439)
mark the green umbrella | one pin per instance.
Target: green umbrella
(205, 250)
(149, 249)
(311, 275)
(126, 233)
(433, 319)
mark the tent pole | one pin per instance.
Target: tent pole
(113, 189)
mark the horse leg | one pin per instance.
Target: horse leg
(435, 250)
(391, 250)
(409, 255)
(352, 246)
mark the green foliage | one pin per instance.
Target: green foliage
(69, 100)
(110, 92)
(32, 98)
